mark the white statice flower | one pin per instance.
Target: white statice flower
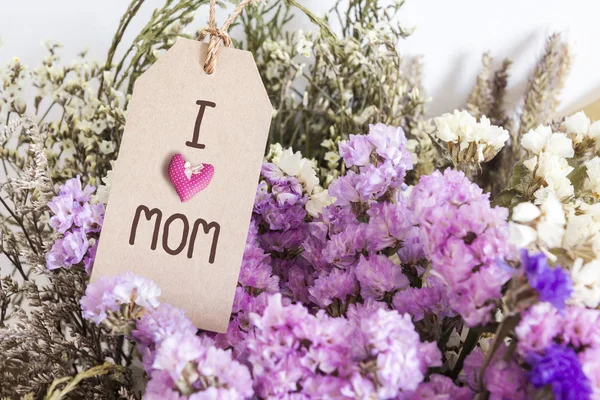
(592, 182)
(577, 125)
(476, 141)
(542, 227)
(107, 147)
(103, 191)
(586, 283)
(304, 45)
(554, 171)
(582, 236)
(319, 199)
(293, 164)
(541, 139)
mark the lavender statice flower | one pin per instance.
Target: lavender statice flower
(256, 271)
(465, 239)
(419, 302)
(559, 368)
(378, 275)
(504, 378)
(188, 367)
(581, 327)
(389, 224)
(538, 328)
(79, 221)
(390, 349)
(440, 387)
(553, 285)
(381, 159)
(104, 297)
(338, 284)
(157, 325)
(342, 248)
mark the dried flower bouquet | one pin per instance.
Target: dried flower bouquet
(390, 256)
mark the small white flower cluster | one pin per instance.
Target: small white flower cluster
(293, 164)
(539, 227)
(468, 140)
(579, 127)
(571, 231)
(549, 162)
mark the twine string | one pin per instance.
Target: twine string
(217, 35)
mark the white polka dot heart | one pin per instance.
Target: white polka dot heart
(189, 181)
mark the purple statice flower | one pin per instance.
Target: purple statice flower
(163, 322)
(272, 173)
(314, 244)
(89, 217)
(538, 328)
(278, 241)
(90, 257)
(389, 223)
(64, 209)
(189, 367)
(378, 275)
(72, 188)
(281, 205)
(338, 284)
(157, 325)
(412, 248)
(465, 239)
(256, 271)
(503, 378)
(400, 360)
(299, 280)
(559, 368)
(390, 145)
(277, 351)
(342, 248)
(553, 285)
(418, 302)
(107, 294)
(590, 364)
(356, 151)
(581, 327)
(442, 388)
(68, 251)
(338, 218)
(344, 189)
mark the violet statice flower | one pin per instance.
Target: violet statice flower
(378, 275)
(73, 188)
(356, 151)
(440, 387)
(538, 328)
(342, 249)
(560, 368)
(389, 223)
(157, 325)
(465, 239)
(553, 285)
(338, 284)
(281, 205)
(581, 327)
(64, 208)
(256, 271)
(106, 295)
(590, 364)
(80, 223)
(390, 345)
(68, 251)
(504, 378)
(188, 367)
(419, 302)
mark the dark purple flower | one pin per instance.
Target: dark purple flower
(560, 368)
(553, 285)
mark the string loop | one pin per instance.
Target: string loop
(216, 35)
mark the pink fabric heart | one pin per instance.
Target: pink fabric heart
(198, 180)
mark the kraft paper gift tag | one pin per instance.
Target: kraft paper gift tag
(188, 235)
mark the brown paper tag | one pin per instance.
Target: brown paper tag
(192, 249)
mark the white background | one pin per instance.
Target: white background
(450, 35)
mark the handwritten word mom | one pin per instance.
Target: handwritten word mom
(155, 212)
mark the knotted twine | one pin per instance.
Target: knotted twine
(218, 35)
